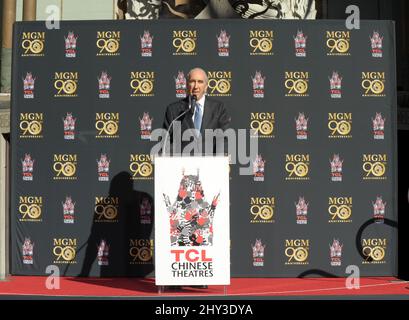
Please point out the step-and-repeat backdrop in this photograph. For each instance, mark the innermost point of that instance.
(86, 98)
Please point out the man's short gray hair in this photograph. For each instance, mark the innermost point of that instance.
(195, 69)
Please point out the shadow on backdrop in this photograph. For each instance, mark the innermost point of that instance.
(315, 273)
(359, 248)
(126, 235)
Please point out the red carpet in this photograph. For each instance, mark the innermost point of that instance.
(243, 287)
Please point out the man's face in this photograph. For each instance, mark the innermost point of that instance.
(197, 84)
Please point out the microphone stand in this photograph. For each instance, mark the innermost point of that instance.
(193, 100)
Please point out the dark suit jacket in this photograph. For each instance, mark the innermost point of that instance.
(215, 117)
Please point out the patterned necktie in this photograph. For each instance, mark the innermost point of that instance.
(198, 116)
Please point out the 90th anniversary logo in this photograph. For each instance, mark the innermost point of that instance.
(374, 166)
(33, 44)
(297, 251)
(65, 250)
(65, 166)
(263, 124)
(340, 209)
(31, 125)
(184, 41)
(66, 84)
(373, 84)
(141, 83)
(374, 251)
(141, 166)
(297, 166)
(141, 251)
(261, 42)
(107, 125)
(106, 209)
(30, 208)
(108, 43)
(338, 43)
(296, 83)
(262, 209)
(219, 83)
(340, 125)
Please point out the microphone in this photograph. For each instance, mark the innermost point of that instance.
(193, 100)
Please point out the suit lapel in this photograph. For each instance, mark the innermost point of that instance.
(206, 115)
(187, 119)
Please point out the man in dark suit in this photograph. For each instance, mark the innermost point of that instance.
(197, 111)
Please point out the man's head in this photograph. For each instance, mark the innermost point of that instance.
(197, 82)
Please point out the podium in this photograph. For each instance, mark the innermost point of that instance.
(192, 240)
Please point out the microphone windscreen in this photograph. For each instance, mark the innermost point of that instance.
(193, 101)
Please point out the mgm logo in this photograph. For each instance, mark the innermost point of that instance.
(261, 42)
(32, 44)
(296, 83)
(338, 43)
(141, 166)
(297, 166)
(106, 209)
(263, 124)
(141, 83)
(340, 125)
(65, 250)
(108, 43)
(262, 209)
(374, 166)
(219, 83)
(31, 125)
(141, 251)
(374, 251)
(65, 166)
(297, 251)
(184, 42)
(107, 125)
(65, 84)
(340, 209)
(373, 84)
(30, 208)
